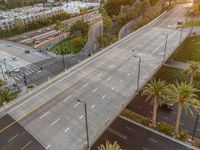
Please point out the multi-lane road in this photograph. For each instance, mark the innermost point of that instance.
(49, 31)
(106, 82)
(130, 136)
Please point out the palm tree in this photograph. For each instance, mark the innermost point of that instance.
(184, 95)
(192, 68)
(6, 94)
(109, 146)
(157, 92)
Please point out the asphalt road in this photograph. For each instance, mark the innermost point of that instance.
(94, 33)
(45, 32)
(106, 82)
(140, 106)
(132, 137)
(16, 137)
(54, 65)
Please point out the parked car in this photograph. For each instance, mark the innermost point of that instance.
(14, 58)
(26, 51)
(168, 107)
(179, 24)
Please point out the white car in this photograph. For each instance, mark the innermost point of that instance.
(16, 70)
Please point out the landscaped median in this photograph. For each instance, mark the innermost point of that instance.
(76, 40)
(163, 127)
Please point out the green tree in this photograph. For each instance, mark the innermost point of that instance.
(109, 146)
(6, 94)
(192, 69)
(183, 94)
(79, 27)
(156, 92)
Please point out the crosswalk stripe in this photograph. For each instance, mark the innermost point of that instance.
(16, 78)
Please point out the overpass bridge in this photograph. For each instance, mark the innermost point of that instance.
(107, 82)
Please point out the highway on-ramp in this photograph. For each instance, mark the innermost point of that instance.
(106, 82)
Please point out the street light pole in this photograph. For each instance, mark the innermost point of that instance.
(165, 49)
(195, 126)
(3, 74)
(4, 61)
(139, 66)
(86, 123)
(181, 34)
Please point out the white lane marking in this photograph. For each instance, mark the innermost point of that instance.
(81, 117)
(67, 130)
(67, 98)
(181, 123)
(120, 69)
(164, 42)
(153, 140)
(111, 66)
(113, 88)
(103, 96)
(109, 78)
(48, 146)
(29, 72)
(84, 85)
(12, 138)
(144, 148)
(39, 71)
(19, 76)
(165, 117)
(121, 81)
(44, 115)
(75, 105)
(16, 78)
(117, 133)
(26, 73)
(55, 122)
(26, 145)
(99, 75)
(94, 90)
(32, 71)
(92, 106)
(129, 128)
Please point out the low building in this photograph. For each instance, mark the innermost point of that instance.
(25, 15)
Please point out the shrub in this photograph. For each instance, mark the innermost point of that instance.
(138, 118)
(30, 86)
(165, 128)
(183, 135)
(196, 143)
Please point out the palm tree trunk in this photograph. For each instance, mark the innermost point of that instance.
(191, 79)
(155, 107)
(178, 119)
